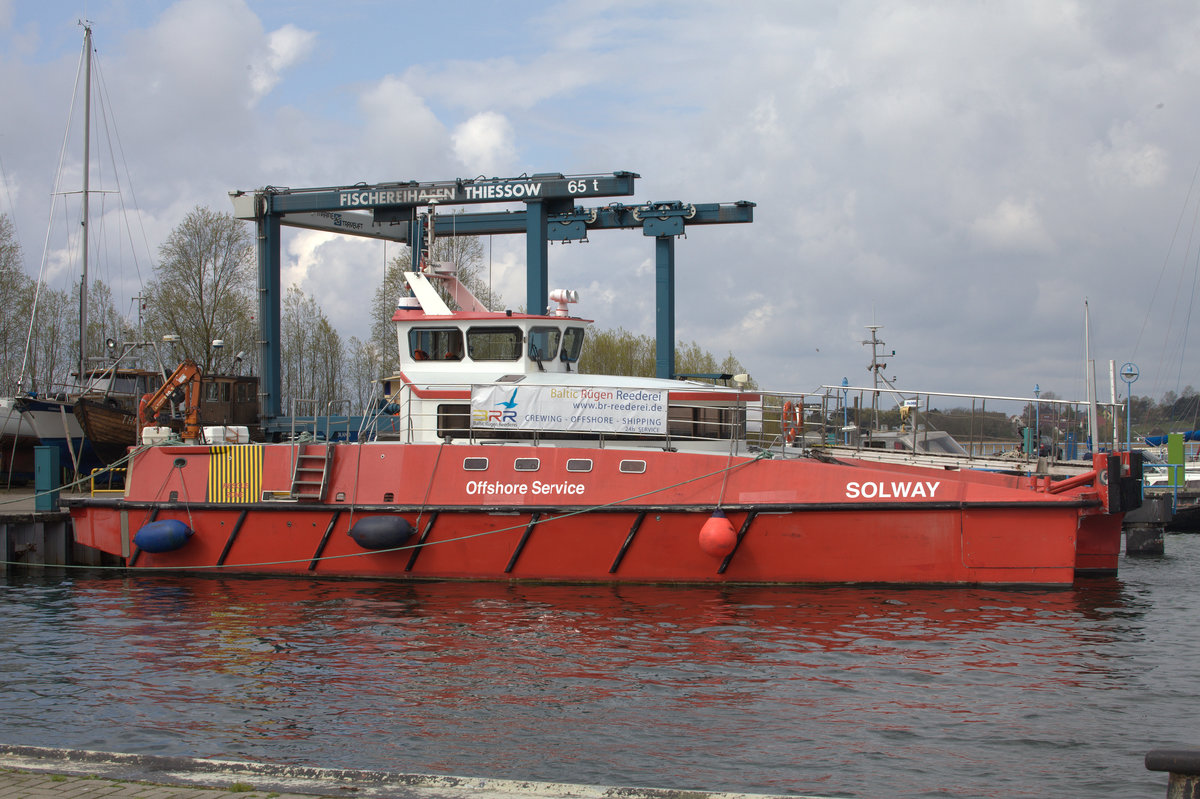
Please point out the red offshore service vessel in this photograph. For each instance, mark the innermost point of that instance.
(496, 459)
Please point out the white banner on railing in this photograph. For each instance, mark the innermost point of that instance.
(570, 408)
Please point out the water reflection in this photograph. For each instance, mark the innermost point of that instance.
(839, 690)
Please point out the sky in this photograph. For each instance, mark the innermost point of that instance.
(965, 175)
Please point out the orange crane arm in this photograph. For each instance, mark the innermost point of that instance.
(187, 376)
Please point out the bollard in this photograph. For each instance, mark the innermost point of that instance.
(45, 478)
(1184, 768)
(1144, 526)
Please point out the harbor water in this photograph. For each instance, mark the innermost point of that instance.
(835, 691)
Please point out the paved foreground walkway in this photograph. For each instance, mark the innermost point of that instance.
(29, 772)
(37, 785)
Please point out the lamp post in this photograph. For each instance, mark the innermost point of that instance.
(1037, 420)
(845, 411)
(1129, 373)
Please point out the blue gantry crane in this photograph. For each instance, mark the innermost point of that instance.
(391, 211)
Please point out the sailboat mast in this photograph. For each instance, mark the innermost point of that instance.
(87, 121)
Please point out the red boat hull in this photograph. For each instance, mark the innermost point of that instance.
(529, 513)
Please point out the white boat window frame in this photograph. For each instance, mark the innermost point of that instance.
(484, 340)
(440, 343)
(544, 341)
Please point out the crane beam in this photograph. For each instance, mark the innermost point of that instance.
(389, 211)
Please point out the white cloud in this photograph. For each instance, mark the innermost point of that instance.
(305, 251)
(340, 272)
(1013, 226)
(484, 144)
(400, 130)
(286, 47)
(1125, 158)
(902, 156)
(197, 58)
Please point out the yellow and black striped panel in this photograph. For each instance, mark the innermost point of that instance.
(235, 473)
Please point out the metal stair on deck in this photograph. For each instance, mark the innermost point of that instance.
(310, 477)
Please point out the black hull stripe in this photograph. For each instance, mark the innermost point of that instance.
(303, 509)
(316, 558)
(412, 559)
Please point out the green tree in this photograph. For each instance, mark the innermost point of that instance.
(53, 351)
(364, 366)
(203, 289)
(52, 354)
(617, 352)
(312, 354)
(104, 322)
(620, 352)
(16, 292)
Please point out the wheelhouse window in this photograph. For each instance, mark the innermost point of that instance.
(435, 344)
(572, 344)
(543, 343)
(494, 343)
(124, 385)
(215, 391)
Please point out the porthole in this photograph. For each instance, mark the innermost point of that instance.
(579, 465)
(633, 467)
(527, 464)
(475, 464)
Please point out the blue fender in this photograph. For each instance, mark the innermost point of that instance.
(166, 535)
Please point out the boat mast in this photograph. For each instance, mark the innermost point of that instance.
(1093, 412)
(87, 119)
(876, 368)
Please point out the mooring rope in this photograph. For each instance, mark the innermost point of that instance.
(84, 479)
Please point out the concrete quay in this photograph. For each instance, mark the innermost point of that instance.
(32, 537)
(30, 772)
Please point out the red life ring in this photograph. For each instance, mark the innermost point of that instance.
(789, 421)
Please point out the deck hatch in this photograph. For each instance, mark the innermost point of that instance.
(633, 467)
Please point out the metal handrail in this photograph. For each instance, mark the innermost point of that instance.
(751, 424)
(110, 471)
